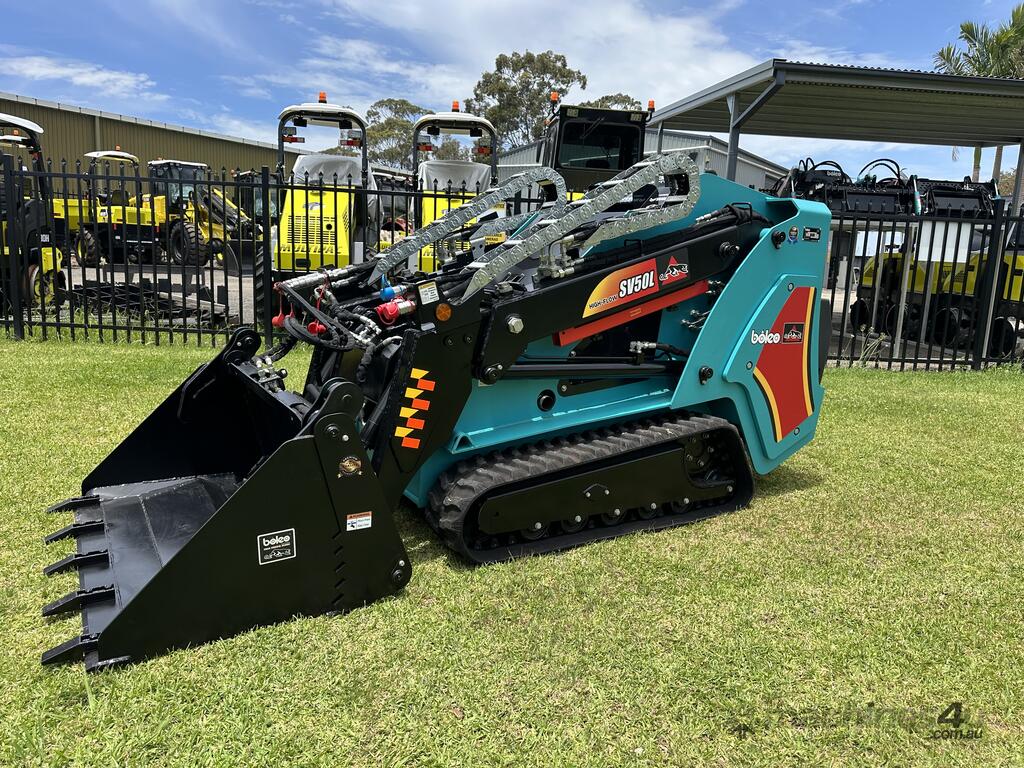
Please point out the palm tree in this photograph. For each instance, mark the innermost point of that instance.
(986, 52)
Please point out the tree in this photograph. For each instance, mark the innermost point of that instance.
(450, 149)
(1006, 180)
(986, 52)
(389, 131)
(614, 101)
(516, 95)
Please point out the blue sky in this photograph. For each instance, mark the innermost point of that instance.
(231, 66)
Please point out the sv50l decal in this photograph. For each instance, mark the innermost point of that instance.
(622, 285)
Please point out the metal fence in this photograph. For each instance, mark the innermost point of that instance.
(102, 252)
(934, 292)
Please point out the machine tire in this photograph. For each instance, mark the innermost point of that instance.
(188, 246)
(87, 249)
(44, 288)
(1002, 338)
(859, 315)
(951, 327)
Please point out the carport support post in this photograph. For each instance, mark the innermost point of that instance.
(985, 293)
(738, 118)
(1017, 180)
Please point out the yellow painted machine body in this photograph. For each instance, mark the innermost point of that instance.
(947, 278)
(962, 281)
(436, 205)
(43, 272)
(314, 228)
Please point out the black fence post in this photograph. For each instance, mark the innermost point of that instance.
(263, 268)
(14, 269)
(984, 294)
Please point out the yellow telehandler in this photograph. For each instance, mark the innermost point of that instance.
(30, 261)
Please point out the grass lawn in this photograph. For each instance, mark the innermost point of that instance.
(876, 578)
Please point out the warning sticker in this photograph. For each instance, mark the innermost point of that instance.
(276, 546)
(429, 293)
(358, 521)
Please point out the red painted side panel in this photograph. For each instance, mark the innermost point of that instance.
(782, 366)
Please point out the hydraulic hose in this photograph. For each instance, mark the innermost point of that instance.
(372, 351)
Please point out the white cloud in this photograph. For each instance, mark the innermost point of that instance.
(802, 50)
(82, 74)
(247, 86)
(621, 45)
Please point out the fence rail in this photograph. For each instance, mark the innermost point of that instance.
(103, 252)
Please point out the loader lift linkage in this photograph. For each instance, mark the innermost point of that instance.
(622, 362)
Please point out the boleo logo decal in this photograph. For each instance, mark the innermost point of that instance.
(793, 333)
(418, 398)
(674, 271)
(276, 546)
(623, 285)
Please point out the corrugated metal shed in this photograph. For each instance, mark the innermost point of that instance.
(71, 131)
(711, 154)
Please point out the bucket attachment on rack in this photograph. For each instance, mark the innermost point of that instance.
(235, 504)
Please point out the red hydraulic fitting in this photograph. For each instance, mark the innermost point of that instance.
(278, 321)
(390, 311)
(316, 327)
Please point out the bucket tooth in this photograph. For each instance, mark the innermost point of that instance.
(75, 529)
(75, 601)
(78, 560)
(71, 651)
(74, 503)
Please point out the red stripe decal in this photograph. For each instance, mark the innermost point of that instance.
(570, 335)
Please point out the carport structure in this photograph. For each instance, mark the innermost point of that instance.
(827, 101)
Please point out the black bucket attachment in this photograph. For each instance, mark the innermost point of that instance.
(234, 504)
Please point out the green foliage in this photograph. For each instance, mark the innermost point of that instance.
(515, 96)
(389, 131)
(986, 52)
(613, 101)
(451, 149)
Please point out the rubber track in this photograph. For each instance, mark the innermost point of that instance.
(458, 489)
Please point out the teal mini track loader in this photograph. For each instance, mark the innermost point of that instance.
(624, 362)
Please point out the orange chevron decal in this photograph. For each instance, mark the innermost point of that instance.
(417, 396)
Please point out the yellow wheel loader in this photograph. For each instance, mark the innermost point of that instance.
(200, 221)
(324, 221)
(444, 185)
(31, 264)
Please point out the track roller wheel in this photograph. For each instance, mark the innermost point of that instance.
(614, 517)
(538, 531)
(574, 524)
(649, 512)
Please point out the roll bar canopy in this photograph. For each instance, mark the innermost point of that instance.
(325, 115)
(178, 162)
(113, 154)
(455, 124)
(31, 130)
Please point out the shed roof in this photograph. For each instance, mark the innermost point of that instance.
(858, 103)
